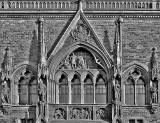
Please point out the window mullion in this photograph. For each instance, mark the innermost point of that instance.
(135, 90)
(82, 92)
(69, 93)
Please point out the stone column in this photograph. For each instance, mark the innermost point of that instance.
(69, 89)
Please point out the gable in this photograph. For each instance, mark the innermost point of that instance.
(78, 31)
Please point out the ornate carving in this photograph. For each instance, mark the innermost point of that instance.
(117, 87)
(42, 91)
(100, 113)
(153, 66)
(80, 113)
(153, 79)
(73, 62)
(5, 93)
(81, 32)
(135, 74)
(154, 108)
(59, 113)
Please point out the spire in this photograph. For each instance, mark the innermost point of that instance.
(42, 62)
(153, 65)
(117, 49)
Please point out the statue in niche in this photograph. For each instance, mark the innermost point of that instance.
(117, 87)
(59, 114)
(5, 92)
(154, 92)
(42, 90)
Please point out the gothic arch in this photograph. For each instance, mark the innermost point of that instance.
(139, 66)
(16, 76)
(135, 73)
(54, 61)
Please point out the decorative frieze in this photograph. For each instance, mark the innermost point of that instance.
(79, 112)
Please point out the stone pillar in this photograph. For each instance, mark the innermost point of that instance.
(69, 89)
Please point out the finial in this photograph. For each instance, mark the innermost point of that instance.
(81, 5)
(119, 20)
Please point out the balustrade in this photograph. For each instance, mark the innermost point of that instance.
(88, 5)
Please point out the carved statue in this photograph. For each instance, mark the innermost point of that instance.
(154, 92)
(73, 61)
(81, 62)
(42, 90)
(59, 114)
(5, 93)
(117, 88)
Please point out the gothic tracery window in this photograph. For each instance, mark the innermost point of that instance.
(135, 88)
(28, 89)
(81, 84)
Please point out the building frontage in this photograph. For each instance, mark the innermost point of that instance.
(85, 61)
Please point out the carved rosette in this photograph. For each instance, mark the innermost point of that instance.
(81, 113)
(59, 113)
(81, 32)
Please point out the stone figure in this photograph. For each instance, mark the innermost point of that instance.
(67, 64)
(5, 93)
(73, 61)
(117, 88)
(81, 62)
(154, 92)
(42, 91)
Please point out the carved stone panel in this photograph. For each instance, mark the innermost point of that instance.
(81, 113)
(59, 113)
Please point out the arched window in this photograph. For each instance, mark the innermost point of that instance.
(88, 90)
(28, 90)
(140, 92)
(135, 88)
(80, 84)
(76, 89)
(63, 89)
(100, 90)
(129, 92)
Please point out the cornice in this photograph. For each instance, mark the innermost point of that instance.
(90, 15)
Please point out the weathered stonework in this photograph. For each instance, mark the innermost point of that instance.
(81, 43)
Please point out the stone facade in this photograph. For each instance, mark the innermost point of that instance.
(79, 61)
